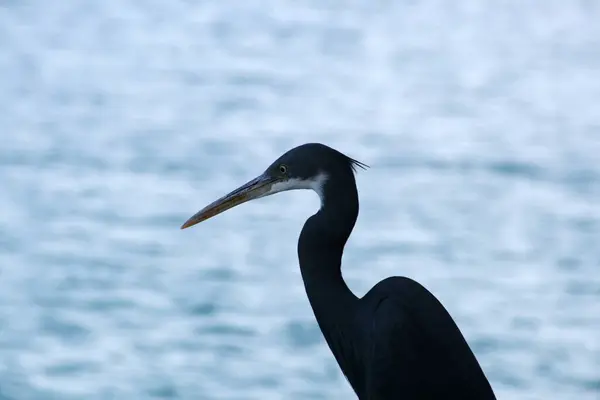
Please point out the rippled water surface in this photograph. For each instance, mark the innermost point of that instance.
(119, 119)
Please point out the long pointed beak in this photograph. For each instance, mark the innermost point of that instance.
(257, 187)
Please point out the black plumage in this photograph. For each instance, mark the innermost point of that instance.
(397, 341)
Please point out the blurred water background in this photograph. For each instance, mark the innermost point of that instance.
(119, 119)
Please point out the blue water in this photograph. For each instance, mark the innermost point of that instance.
(119, 119)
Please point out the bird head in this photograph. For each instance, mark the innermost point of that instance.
(308, 166)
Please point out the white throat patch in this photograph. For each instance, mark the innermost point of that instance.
(317, 183)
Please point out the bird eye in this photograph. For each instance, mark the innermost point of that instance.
(283, 169)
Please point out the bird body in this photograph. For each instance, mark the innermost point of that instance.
(397, 341)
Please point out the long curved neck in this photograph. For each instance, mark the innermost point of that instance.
(321, 246)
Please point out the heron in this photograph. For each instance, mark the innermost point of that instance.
(397, 341)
